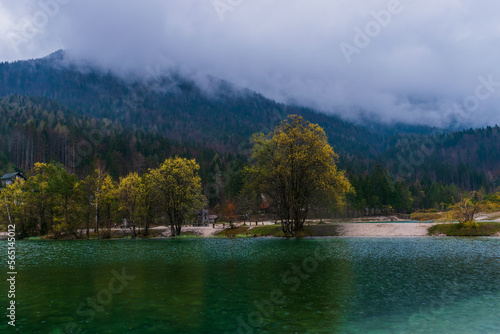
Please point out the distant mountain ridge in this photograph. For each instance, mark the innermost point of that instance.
(221, 121)
(172, 106)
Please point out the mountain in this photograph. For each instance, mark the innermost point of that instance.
(172, 106)
(51, 105)
(470, 159)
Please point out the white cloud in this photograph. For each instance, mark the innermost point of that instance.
(417, 65)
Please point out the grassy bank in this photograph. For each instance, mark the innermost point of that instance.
(458, 230)
(246, 232)
(276, 231)
(113, 234)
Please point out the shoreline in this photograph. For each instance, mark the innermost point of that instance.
(390, 229)
(385, 229)
(344, 229)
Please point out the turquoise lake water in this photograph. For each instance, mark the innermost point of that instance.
(326, 285)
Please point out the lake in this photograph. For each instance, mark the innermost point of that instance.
(325, 285)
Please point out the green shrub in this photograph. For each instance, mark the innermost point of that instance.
(462, 230)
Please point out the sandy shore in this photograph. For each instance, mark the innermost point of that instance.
(332, 228)
(384, 229)
(202, 231)
(380, 226)
(489, 217)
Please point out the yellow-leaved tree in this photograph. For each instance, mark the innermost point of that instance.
(102, 196)
(296, 168)
(466, 210)
(48, 202)
(179, 191)
(13, 210)
(148, 203)
(129, 198)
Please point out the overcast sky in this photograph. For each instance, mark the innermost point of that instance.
(423, 61)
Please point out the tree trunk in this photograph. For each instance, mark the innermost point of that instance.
(96, 227)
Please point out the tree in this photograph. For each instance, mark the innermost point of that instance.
(48, 202)
(296, 168)
(102, 195)
(245, 204)
(179, 190)
(229, 213)
(402, 197)
(13, 210)
(67, 191)
(492, 202)
(40, 197)
(465, 210)
(87, 202)
(128, 197)
(147, 202)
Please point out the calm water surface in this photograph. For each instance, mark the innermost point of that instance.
(331, 285)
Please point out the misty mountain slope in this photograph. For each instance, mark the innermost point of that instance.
(37, 129)
(41, 130)
(468, 159)
(197, 122)
(172, 106)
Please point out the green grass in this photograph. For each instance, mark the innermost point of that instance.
(266, 231)
(104, 234)
(233, 232)
(189, 235)
(246, 232)
(458, 230)
(151, 233)
(243, 236)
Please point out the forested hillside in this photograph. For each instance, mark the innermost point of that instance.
(469, 159)
(171, 106)
(34, 129)
(37, 129)
(52, 111)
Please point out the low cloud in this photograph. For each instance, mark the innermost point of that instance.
(421, 62)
